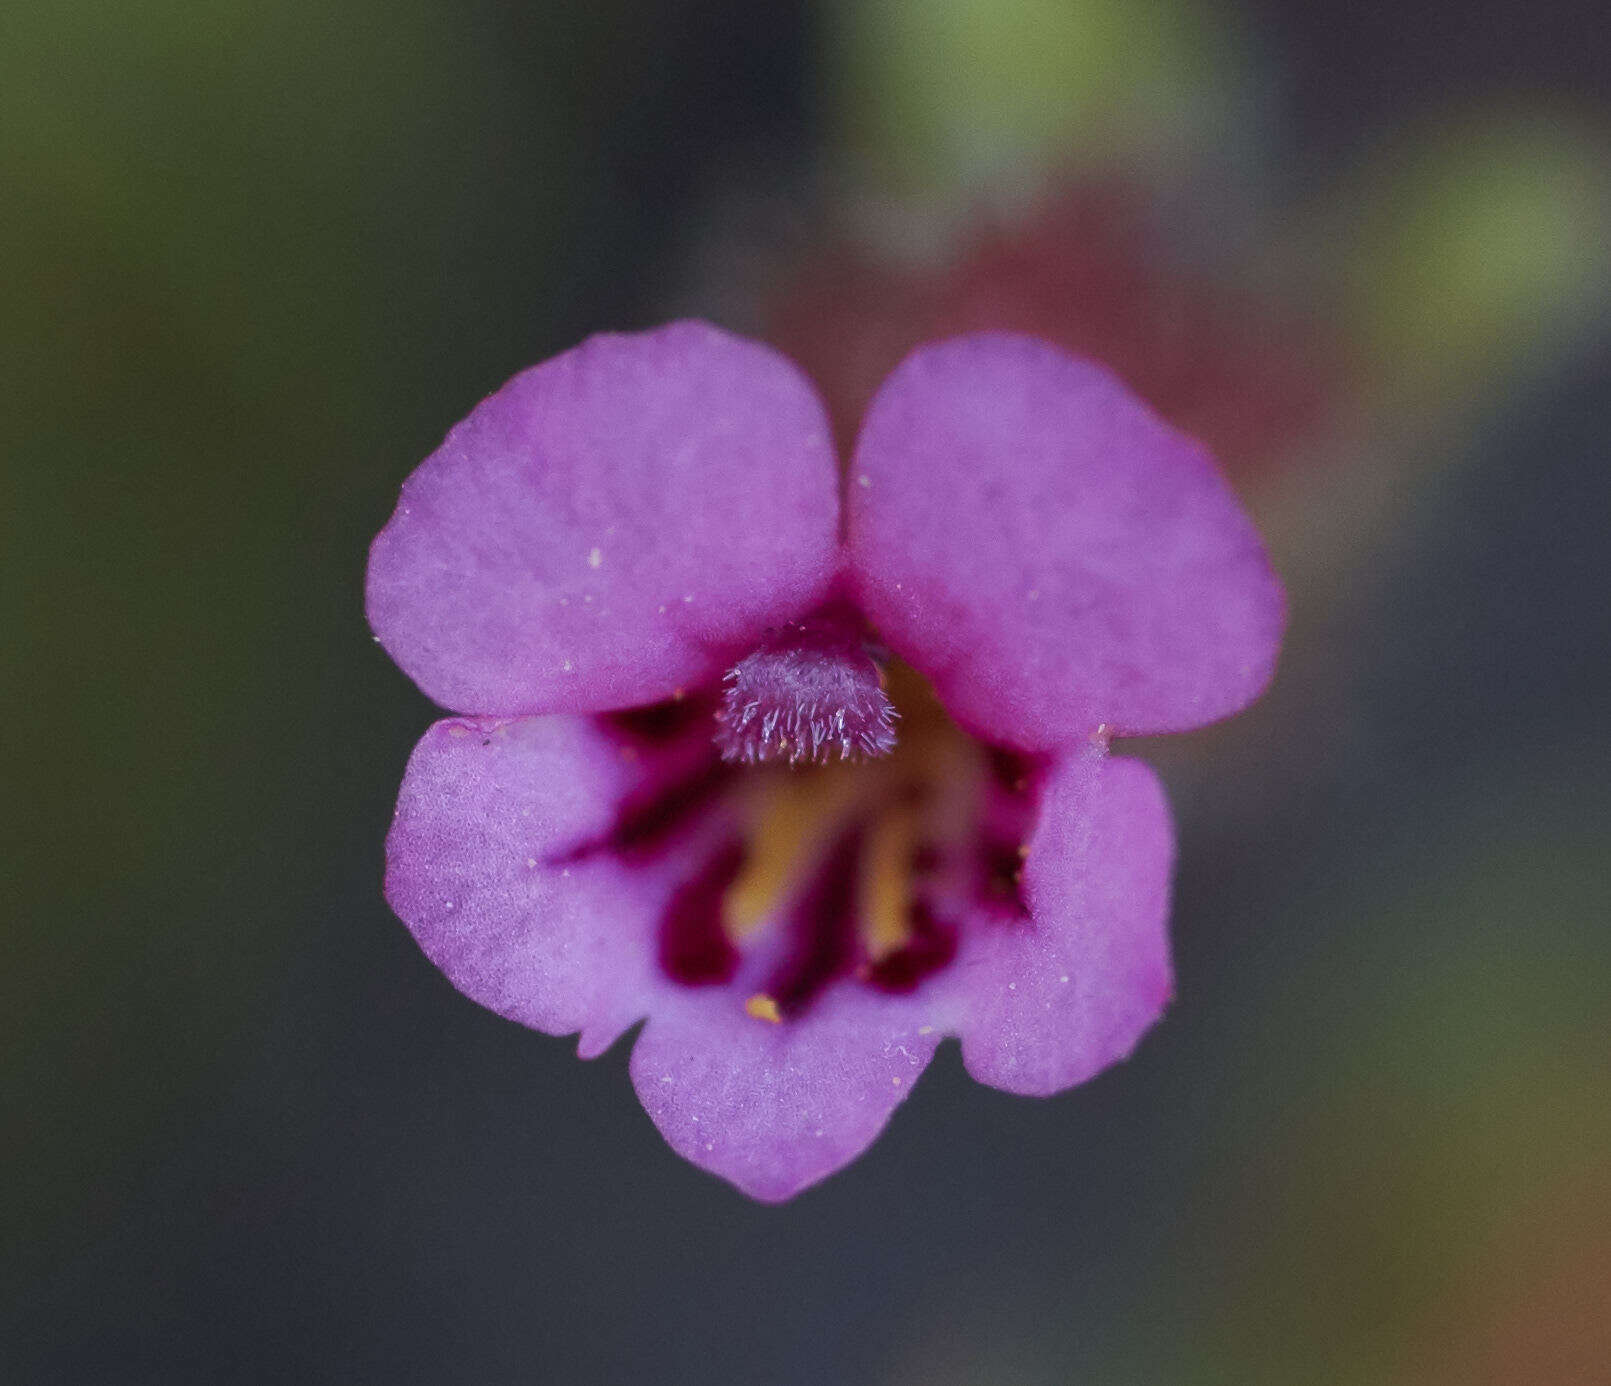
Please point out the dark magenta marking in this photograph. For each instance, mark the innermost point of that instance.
(822, 927)
(1012, 771)
(1002, 869)
(930, 946)
(661, 723)
(647, 820)
(694, 947)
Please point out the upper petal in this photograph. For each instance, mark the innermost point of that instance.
(609, 526)
(1047, 1002)
(775, 1108)
(1050, 553)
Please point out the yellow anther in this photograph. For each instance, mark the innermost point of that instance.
(763, 1007)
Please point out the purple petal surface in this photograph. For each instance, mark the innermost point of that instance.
(610, 526)
(1046, 1002)
(1050, 553)
(775, 1108)
(482, 865)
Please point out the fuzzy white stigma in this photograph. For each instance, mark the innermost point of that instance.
(811, 694)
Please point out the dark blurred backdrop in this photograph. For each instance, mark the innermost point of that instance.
(258, 256)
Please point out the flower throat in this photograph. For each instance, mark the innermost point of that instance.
(848, 839)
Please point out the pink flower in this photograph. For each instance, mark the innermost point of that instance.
(804, 770)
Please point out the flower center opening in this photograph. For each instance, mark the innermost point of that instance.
(833, 850)
(859, 847)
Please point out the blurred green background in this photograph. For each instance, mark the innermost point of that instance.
(257, 257)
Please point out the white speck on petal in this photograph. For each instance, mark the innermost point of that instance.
(925, 1029)
(595, 557)
(896, 1079)
(567, 666)
(864, 480)
(1063, 978)
(531, 861)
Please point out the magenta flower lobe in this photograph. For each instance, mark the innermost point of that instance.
(805, 805)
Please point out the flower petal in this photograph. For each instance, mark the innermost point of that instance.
(482, 864)
(609, 526)
(1049, 1001)
(773, 1108)
(1050, 553)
